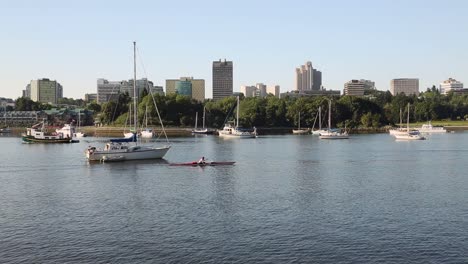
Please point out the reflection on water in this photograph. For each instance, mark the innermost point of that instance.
(287, 199)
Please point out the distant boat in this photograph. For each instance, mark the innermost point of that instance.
(147, 132)
(409, 135)
(299, 130)
(401, 130)
(330, 134)
(232, 130)
(429, 129)
(121, 149)
(78, 133)
(203, 130)
(38, 134)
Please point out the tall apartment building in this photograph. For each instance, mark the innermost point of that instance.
(222, 79)
(450, 85)
(308, 78)
(408, 86)
(195, 88)
(354, 88)
(44, 91)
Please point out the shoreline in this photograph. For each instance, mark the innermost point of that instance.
(111, 131)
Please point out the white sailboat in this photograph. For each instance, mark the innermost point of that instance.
(78, 133)
(400, 130)
(130, 133)
(299, 130)
(147, 132)
(120, 149)
(231, 130)
(409, 135)
(330, 134)
(202, 130)
(320, 130)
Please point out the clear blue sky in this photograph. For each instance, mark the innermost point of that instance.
(77, 42)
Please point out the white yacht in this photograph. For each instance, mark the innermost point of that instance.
(429, 128)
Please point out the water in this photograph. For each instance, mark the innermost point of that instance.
(288, 199)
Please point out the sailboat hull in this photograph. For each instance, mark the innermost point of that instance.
(202, 131)
(300, 131)
(136, 153)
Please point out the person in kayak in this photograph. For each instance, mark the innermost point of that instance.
(201, 161)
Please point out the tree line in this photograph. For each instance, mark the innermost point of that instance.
(375, 109)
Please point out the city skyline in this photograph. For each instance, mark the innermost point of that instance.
(78, 43)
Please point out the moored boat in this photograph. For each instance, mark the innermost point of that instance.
(429, 128)
(39, 134)
(234, 131)
(121, 149)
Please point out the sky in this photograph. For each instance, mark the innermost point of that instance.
(77, 42)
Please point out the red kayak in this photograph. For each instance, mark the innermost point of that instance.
(207, 163)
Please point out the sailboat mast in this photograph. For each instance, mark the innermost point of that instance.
(407, 121)
(196, 120)
(320, 118)
(329, 115)
(203, 117)
(401, 119)
(237, 122)
(134, 88)
(299, 125)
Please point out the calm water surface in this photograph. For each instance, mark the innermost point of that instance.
(288, 199)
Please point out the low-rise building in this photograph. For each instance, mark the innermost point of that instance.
(184, 84)
(451, 85)
(354, 88)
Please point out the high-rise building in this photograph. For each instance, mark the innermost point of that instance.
(109, 90)
(27, 91)
(408, 86)
(45, 91)
(450, 85)
(354, 88)
(261, 90)
(197, 87)
(308, 78)
(274, 90)
(222, 79)
(248, 91)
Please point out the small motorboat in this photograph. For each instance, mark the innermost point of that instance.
(202, 164)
